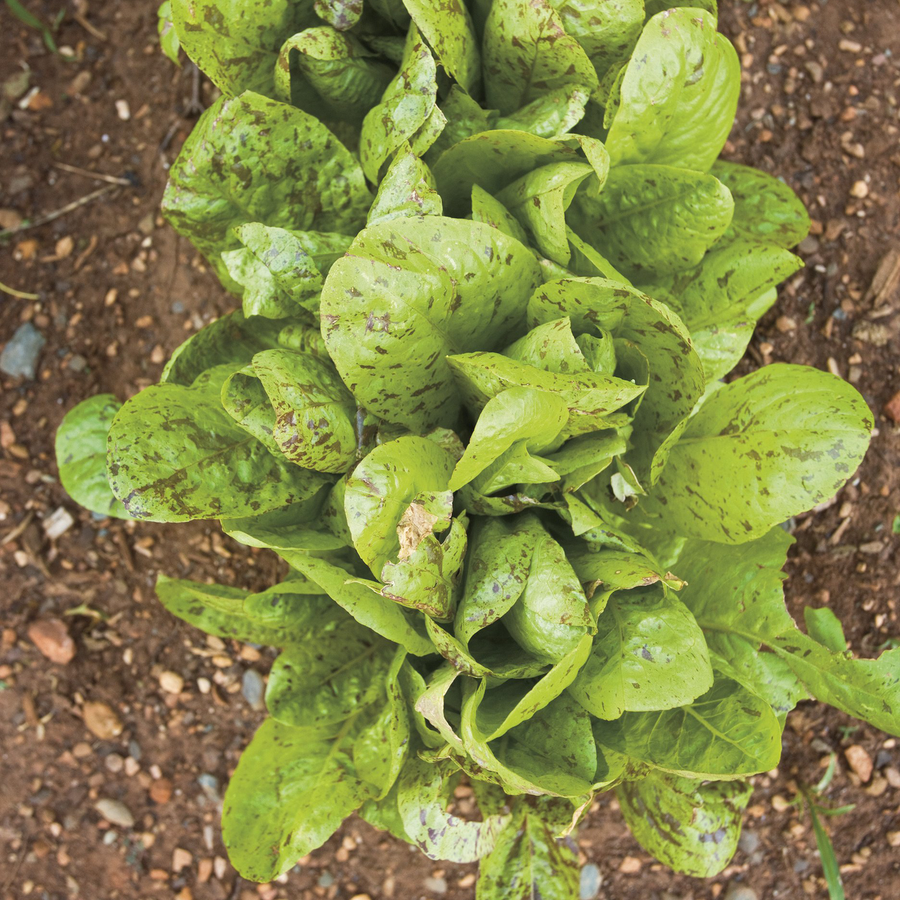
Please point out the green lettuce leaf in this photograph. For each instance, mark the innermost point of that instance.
(653, 220)
(252, 159)
(450, 33)
(235, 42)
(760, 450)
(454, 285)
(407, 190)
(692, 827)
(527, 54)
(81, 455)
(678, 95)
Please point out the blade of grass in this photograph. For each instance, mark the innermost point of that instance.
(830, 866)
(32, 21)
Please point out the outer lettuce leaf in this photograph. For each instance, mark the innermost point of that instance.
(251, 159)
(453, 285)
(726, 734)
(174, 455)
(280, 616)
(722, 299)
(81, 455)
(552, 115)
(760, 450)
(692, 827)
(407, 191)
(750, 576)
(678, 95)
(528, 862)
(765, 208)
(235, 42)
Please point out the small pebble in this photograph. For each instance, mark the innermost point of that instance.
(181, 859)
(438, 885)
(210, 785)
(253, 688)
(161, 791)
(20, 355)
(101, 721)
(326, 879)
(740, 892)
(58, 523)
(860, 190)
(589, 882)
(52, 638)
(115, 812)
(171, 682)
(114, 763)
(860, 762)
(749, 841)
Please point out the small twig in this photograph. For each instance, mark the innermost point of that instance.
(97, 176)
(20, 294)
(43, 220)
(19, 529)
(91, 247)
(15, 872)
(236, 889)
(91, 29)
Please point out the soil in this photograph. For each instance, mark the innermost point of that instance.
(117, 292)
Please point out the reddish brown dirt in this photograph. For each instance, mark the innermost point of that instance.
(819, 108)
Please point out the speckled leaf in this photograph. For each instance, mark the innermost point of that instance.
(657, 6)
(330, 74)
(527, 53)
(340, 14)
(596, 306)
(653, 220)
(453, 285)
(591, 399)
(251, 159)
(517, 700)
(612, 569)
(447, 26)
(282, 272)
(721, 300)
(528, 863)
(406, 191)
(539, 200)
(689, 826)
(551, 347)
(235, 42)
(649, 654)
(174, 455)
(231, 339)
(382, 487)
(431, 702)
(289, 795)
(726, 734)
(168, 36)
(319, 684)
(587, 261)
(606, 29)
(553, 114)
(383, 616)
(315, 415)
(495, 159)
(422, 796)
(552, 753)
(491, 211)
(405, 107)
(530, 419)
(428, 577)
(678, 95)
(551, 615)
(583, 458)
(280, 616)
(760, 450)
(825, 628)
(765, 208)
(81, 455)
(750, 576)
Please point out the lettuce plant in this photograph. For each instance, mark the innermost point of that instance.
(492, 280)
